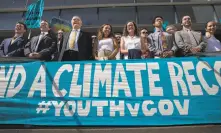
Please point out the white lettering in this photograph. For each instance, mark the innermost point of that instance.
(84, 111)
(133, 110)
(4, 79)
(87, 80)
(55, 86)
(75, 90)
(154, 91)
(210, 90)
(12, 89)
(116, 108)
(39, 85)
(182, 110)
(120, 85)
(145, 109)
(100, 105)
(137, 73)
(103, 77)
(163, 110)
(70, 108)
(57, 107)
(194, 89)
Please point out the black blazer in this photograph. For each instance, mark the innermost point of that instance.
(16, 49)
(46, 47)
(84, 46)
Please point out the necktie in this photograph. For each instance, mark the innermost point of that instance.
(40, 37)
(72, 39)
(164, 41)
(13, 40)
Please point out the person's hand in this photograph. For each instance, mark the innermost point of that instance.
(167, 54)
(195, 49)
(37, 55)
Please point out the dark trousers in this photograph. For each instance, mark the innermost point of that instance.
(70, 55)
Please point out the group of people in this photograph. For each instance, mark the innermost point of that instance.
(78, 45)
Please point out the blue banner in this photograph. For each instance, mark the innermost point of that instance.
(152, 92)
(34, 14)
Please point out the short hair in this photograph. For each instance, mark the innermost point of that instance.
(154, 19)
(49, 24)
(183, 17)
(22, 23)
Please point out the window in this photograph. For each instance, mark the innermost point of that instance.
(118, 15)
(198, 14)
(9, 23)
(89, 16)
(12, 3)
(146, 14)
(48, 15)
(218, 11)
(146, 1)
(114, 1)
(79, 2)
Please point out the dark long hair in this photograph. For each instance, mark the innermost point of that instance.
(125, 32)
(100, 34)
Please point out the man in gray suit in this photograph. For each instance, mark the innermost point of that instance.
(162, 44)
(188, 40)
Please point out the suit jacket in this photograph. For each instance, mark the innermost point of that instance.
(46, 47)
(55, 56)
(84, 46)
(184, 44)
(16, 49)
(155, 45)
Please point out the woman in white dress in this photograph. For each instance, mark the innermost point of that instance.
(130, 45)
(105, 47)
(214, 44)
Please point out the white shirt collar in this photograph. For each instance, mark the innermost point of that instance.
(184, 28)
(78, 30)
(45, 33)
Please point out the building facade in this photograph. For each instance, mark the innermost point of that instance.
(116, 12)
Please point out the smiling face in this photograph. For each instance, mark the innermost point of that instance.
(186, 21)
(211, 27)
(20, 28)
(44, 26)
(106, 30)
(130, 27)
(76, 22)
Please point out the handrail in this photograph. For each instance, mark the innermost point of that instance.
(115, 5)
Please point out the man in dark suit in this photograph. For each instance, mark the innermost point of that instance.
(43, 46)
(14, 47)
(77, 44)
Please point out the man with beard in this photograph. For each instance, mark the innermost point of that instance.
(14, 47)
(161, 43)
(43, 46)
(188, 40)
(77, 44)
